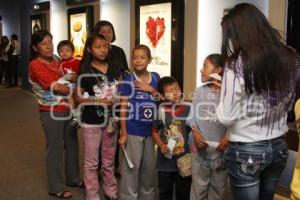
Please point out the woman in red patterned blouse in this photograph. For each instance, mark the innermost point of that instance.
(55, 116)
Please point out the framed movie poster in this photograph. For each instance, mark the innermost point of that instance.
(37, 22)
(160, 26)
(80, 24)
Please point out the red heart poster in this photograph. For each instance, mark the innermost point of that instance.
(155, 32)
(155, 29)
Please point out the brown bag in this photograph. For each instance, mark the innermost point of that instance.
(184, 165)
(112, 125)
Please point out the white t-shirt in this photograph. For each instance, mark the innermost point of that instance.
(17, 50)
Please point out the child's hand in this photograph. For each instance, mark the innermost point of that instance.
(105, 101)
(223, 144)
(73, 78)
(143, 86)
(199, 139)
(123, 139)
(164, 148)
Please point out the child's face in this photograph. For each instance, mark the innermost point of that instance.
(65, 52)
(44, 48)
(140, 60)
(107, 32)
(99, 49)
(172, 92)
(208, 68)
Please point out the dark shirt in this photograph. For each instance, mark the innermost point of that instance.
(118, 58)
(100, 85)
(172, 126)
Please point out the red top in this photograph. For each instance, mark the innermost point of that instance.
(68, 64)
(42, 75)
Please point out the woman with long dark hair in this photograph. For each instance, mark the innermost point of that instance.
(258, 90)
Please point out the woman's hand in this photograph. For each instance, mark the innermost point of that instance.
(164, 148)
(143, 86)
(216, 85)
(199, 139)
(223, 144)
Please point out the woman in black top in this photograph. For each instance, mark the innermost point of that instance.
(116, 54)
(116, 57)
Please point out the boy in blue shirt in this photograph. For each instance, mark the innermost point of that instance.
(138, 181)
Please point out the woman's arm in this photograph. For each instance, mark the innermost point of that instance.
(60, 89)
(230, 106)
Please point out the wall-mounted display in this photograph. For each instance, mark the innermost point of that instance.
(155, 32)
(37, 22)
(80, 23)
(160, 26)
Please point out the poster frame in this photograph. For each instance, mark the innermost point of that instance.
(88, 10)
(177, 33)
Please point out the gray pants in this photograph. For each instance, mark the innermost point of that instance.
(60, 135)
(138, 183)
(207, 183)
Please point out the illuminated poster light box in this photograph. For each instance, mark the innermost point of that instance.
(160, 26)
(80, 22)
(155, 32)
(37, 22)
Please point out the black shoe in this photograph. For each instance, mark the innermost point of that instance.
(79, 185)
(111, 198)
(62, 195)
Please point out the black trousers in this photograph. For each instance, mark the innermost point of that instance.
(166, 182)
(1, 71)
(14, 70)
(7, 72)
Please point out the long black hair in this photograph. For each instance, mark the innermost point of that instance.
(268, 65)
(87, 57)
(37, 37)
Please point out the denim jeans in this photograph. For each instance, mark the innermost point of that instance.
(255, 168)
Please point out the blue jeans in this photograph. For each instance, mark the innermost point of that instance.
(255, 168)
